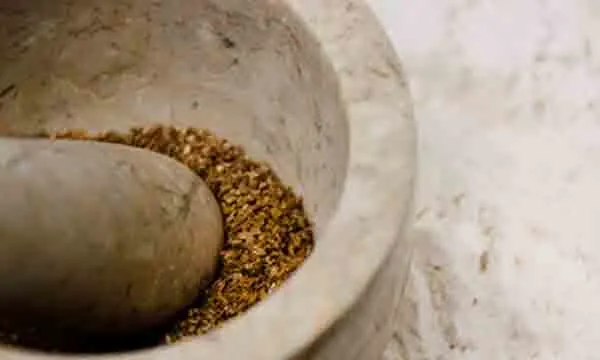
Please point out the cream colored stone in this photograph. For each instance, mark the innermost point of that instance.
(506, 98)
(100, 239)
(311, 86)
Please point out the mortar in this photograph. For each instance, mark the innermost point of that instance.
(312, 87)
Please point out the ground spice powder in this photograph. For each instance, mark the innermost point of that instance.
(267, 233)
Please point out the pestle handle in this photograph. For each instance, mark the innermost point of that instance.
(101, 238)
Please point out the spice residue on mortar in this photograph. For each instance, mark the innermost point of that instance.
(267, 233)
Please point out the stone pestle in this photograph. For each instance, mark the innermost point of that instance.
(101, 239)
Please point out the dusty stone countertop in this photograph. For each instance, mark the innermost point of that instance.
(507, 222)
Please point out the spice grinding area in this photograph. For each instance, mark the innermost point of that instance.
(311, 88)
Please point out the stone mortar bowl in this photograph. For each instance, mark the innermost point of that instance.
(311, 86)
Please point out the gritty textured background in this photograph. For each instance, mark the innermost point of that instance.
(506, 224)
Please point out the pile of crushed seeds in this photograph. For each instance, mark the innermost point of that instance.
(267, 233)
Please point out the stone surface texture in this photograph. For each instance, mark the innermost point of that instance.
(506, 96)
(100, 239)
(312, 86)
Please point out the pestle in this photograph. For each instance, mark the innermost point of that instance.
(100, 239)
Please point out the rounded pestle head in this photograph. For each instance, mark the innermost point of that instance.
(101, 239)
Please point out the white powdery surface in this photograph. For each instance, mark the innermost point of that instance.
(507, 217)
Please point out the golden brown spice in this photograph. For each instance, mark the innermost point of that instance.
(267, 233)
